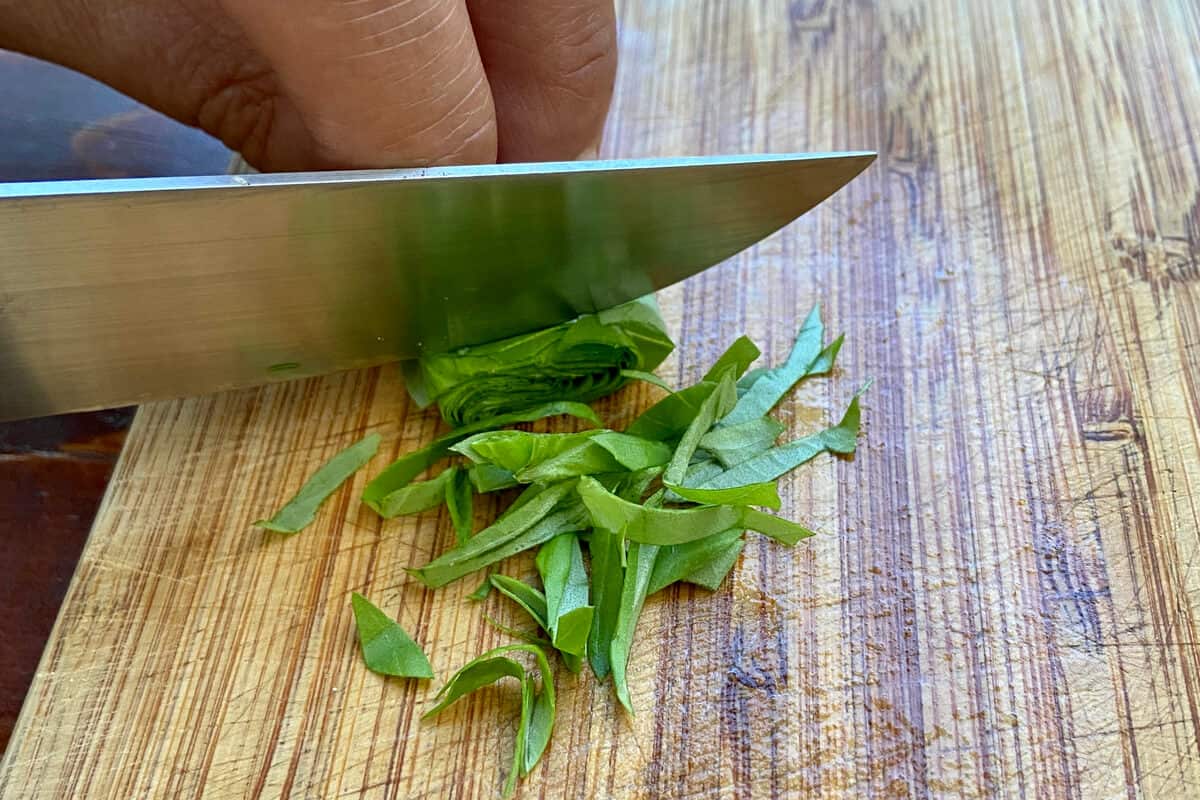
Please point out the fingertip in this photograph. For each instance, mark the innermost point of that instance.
(551, 65)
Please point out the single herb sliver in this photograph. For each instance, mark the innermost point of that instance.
(537, 704)
(568, 613)
(806, 358)
(752, 494)
(524, 595)
(419, 496)
(667, 526)
(399, 474)
(545, 513)
(679, 562)
(606, 549)
(386, 648)
(778, 461)
(715, 406)
(461, 506)
(302, 509)
(733, 444)
(639, 568)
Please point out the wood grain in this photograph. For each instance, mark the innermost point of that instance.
(1004, 600)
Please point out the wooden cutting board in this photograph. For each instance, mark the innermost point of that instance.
(1004, 598)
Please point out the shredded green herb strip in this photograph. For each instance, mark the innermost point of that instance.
(638, 570)
(778, 461)
(537, 704)
(697, 562)
(613, 516)
(583, 360)
(386, 648)
(302, 509)
(769, 388)
(400, 473)
(733, 444)
(568, 613)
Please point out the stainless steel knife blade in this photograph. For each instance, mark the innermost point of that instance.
(120, 291)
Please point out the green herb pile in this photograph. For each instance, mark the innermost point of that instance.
(613, 517)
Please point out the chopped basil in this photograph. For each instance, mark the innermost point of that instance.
(386, 648)
(401, 472)
(302, 509)
(537, 704)
(580, 360)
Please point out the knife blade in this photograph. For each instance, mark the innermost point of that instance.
(120, 291)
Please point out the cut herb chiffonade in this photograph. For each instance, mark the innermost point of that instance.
(612, 516)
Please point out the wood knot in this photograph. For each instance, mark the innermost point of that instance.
(1109, 431)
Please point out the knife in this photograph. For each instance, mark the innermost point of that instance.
(120, 291)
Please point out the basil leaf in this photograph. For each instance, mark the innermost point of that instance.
(677, 562)
(516, 450)
(537, 705)
(666, 526)
(475, 675)
(661, 526)
(517, 633)
(631, 452)
(647, 377)
(490, 478)
(302, 509)
(461, 505)
(560, 563)
(534, 522)
(417, 497)
(640, 566)
(750, 378)
(401, 472)
(751, 494)
(737, 357)
(777, 528)
(733, 444)
(777, 461)
(710, 574)
(715, 406)
(482, 590)
(550, 457)
(806, 358)
(607, 550)
(580, 360)
(524, 595)
(386, 648)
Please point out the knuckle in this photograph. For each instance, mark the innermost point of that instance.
(240, 111)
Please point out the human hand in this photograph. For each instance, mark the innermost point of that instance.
(311, 84)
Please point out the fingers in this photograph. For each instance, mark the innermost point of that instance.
(303, 84)
(551, 65)
(347, 83)
(373, 83)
